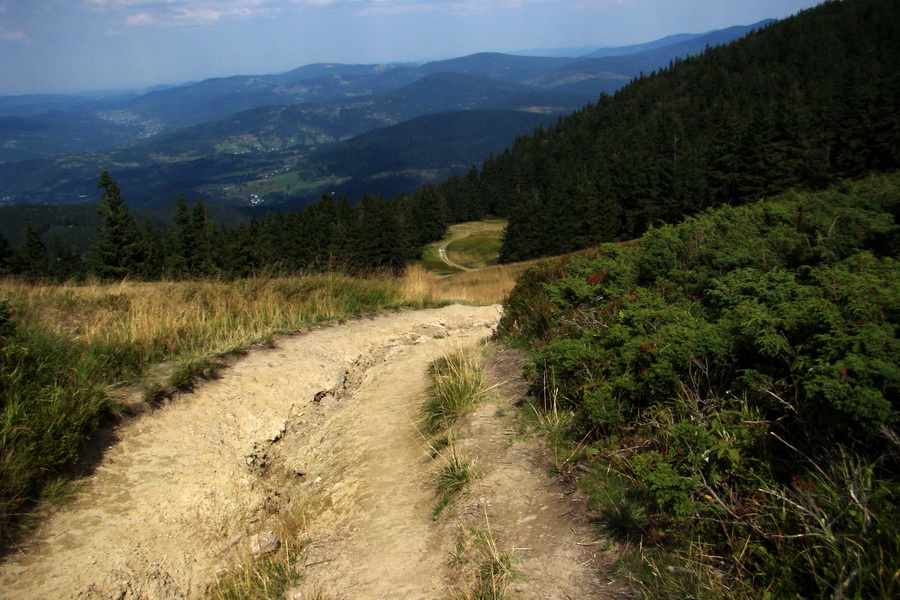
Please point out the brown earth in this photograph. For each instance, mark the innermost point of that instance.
(320, 429)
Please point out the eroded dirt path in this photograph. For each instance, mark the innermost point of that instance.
(321, 426)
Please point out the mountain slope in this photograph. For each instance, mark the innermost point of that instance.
(802, 102)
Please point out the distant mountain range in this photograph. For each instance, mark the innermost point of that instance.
(290, 136)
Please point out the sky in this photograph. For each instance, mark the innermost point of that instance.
(66, 46)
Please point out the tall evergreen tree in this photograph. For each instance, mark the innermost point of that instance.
(31, 258)
(118, 250)
(204, 261)
(66, 261)
(185, 255)
(6, 254)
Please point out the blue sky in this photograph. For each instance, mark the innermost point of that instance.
(82, 45)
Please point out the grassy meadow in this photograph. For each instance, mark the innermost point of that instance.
(474, 245)
(74, 356)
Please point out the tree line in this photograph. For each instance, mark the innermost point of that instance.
(376, 233)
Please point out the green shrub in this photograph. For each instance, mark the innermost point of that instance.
(728, 368)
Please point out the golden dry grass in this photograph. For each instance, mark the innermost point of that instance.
(173, 318)
(485, 286)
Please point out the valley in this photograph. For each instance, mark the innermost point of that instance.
(214, 139)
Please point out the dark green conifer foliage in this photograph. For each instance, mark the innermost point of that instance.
(155, 252)
(66, 261)
(185, 256)
(31, 258)
(202, 229)
(806, 101)
(6, 254)
(118, 250)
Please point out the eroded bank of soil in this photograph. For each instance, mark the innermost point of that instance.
(325, 421)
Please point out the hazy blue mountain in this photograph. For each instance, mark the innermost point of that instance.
(608, 69)
(238, 131)
(570, 52)
(505, 67)
(454, 139)
(34, 104)
(713, 38)
(635, 48)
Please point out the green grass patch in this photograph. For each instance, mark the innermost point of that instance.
(453, 476)
(458, 385)
(474, 244)
(476, 251)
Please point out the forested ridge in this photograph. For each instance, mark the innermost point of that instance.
(803, 102)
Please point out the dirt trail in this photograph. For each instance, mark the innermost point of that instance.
(323, 421)
(442, 254)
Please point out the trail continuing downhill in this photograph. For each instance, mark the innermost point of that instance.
(442, 253)
(325, 420)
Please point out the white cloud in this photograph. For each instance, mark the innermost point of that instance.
(12, 36)
(140, 19)
(194, 12)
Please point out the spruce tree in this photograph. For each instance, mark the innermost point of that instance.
(31, 259)
(185, 240)
(5, 255)
(118, 250)
(205, 263)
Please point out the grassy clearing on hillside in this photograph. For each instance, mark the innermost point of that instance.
(475, 244)
(63, 350)
(476, 251)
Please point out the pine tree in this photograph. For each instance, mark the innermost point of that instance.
(5, 255)
(185, 240)
(201, 225)
(31, 259)
(118, 250)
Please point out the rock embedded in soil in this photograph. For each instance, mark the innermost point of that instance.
(264, 543)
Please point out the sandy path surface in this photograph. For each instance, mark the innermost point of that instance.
(319, 430)
(193, 479)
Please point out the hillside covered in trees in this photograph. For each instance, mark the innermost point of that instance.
(805, 101)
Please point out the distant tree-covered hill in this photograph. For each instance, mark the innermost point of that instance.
(328, 103)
